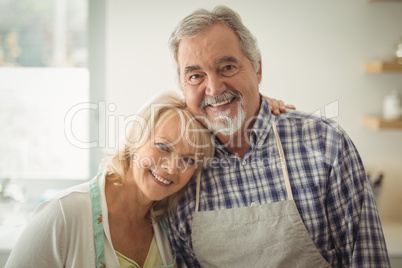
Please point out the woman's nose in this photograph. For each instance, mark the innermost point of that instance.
(171, 165)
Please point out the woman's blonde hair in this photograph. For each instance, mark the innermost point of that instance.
(150, 118)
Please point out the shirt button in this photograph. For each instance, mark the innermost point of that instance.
(253, 204)
(244, 163)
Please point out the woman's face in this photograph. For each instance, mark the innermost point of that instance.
(165, 163)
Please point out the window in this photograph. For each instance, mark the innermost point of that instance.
(43, 75)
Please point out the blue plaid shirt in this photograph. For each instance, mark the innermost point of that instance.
(328, 181)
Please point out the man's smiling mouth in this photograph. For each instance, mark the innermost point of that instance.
(226, 98)
(221, 102)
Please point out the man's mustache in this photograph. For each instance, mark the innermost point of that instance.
(226, 95)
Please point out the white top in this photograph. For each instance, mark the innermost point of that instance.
(60, 233)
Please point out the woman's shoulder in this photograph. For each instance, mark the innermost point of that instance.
(59, 226)
(68, 204)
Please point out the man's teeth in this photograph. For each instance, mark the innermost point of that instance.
(220, 103)
(162, 180)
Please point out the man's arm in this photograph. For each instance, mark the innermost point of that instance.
(352, 213)
(181, 244)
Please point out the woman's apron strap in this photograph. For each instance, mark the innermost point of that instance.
(97, 223)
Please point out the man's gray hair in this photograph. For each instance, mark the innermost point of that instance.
(202, 19)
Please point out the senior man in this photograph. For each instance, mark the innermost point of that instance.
(281, 191)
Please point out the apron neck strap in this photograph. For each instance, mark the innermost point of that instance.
(283, 166)
(283, 163)
(197, 192)
(97, 222)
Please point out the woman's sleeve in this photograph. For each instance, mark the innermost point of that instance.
(41, 243)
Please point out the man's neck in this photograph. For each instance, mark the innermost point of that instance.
(237, 143)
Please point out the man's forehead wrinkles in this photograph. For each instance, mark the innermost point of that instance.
(223, 59)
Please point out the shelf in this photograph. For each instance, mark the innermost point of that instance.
(382, 66)
(376, 122)
(384, 0)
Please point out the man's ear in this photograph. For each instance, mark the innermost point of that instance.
(259, 72)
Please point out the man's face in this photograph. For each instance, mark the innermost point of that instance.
(219, 82)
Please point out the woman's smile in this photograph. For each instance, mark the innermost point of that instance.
(161, 180)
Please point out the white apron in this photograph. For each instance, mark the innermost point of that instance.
(269, 235)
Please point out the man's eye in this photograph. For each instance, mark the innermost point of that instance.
(188, 160)
(228, 67)
(195, 79)
(229, 70)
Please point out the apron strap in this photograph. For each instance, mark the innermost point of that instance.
(283, 163)
(283, 166)
(164, 243)
(197, 192)
(97, 222)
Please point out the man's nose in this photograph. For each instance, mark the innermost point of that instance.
(214, 85)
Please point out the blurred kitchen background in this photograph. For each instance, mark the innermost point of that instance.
(72, 72)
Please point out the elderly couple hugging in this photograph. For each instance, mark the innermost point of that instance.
(162, 200)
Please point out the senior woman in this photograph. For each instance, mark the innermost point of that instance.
(115, 220)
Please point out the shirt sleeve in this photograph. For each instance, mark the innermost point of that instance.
(180, 237)
(352, 212)
(40, 244)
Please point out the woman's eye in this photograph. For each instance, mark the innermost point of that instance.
(162, 146)
(188, 160)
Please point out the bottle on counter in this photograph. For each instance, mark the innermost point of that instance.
(398, 52)
(392, 109)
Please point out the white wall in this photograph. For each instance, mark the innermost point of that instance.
(313, 54)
